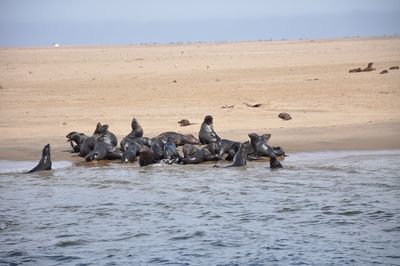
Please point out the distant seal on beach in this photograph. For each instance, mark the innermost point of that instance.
(285, 116)
(384, 72)
(369, 67)
(45, 161)
(393, 68)
(185, 122)
(207, 134)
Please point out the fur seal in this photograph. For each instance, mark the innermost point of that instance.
(192, 155)
(285, 116)
(180, 139)
(355, 70)
(211, 152)
(87, 146)
(228, 147)
(393, 68)
(240, 158)
(262, 149)
(129, 155)
(45, 161)
(369, 67)
(102, 134)
(137, 132)
(384, 72)
(207, 134)
(75, 139)
(169, 152)
(146, 157)
(185, 122)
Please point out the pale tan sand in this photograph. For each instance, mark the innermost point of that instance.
(47, 92)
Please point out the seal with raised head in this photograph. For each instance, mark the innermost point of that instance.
(263, 149)
(76, 139)
(45, 161)
(102, 134)
(207, 133)
(137, 132)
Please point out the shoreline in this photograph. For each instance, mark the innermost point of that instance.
(369, 137)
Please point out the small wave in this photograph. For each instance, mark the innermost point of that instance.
(394, 229)
(68, 243)
(187, 236)
(349, 213)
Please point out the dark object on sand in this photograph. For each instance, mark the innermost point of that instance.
(285, 116)
(227, 106)
(384, 72)
(253, 105)
(367, 69)
(185, 122)
(393, 68)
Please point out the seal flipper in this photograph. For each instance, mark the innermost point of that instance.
(45, 161)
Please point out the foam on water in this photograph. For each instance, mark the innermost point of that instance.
(334, 208)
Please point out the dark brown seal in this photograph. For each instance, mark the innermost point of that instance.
(285, 116)
(185, 122)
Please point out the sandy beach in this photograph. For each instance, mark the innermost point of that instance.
(46, 93)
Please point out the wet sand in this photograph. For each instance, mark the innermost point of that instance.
(46, 93)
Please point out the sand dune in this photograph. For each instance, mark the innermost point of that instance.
(47, 92)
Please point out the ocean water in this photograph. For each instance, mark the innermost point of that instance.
(325, 208)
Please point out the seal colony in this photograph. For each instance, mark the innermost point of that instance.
(103, 145)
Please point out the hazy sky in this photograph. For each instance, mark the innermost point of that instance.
(77, 22)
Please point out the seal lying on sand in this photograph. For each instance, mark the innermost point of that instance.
(179, 139)
(207, 133)
(185, 122)
(45, 161)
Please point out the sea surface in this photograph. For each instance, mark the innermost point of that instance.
(323, 208)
